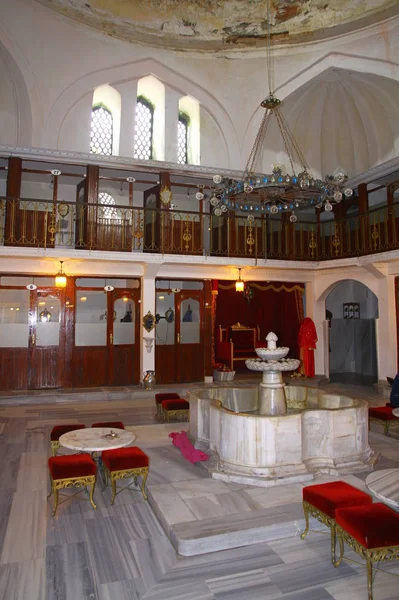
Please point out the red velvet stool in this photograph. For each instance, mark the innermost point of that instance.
(123, 463)
(175, 408)
(57, 432)
(74, 470)
(110, 424)
(322, 500)
(371, 530)
(164, 396)
(383, 415)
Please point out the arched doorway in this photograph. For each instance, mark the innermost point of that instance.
(352, 309)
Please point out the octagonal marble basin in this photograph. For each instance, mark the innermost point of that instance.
(320, 434)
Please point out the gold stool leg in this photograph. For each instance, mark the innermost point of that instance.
(333, 542)
(341, 551)
(306, 530)
(143, 482)
(55, 490)
(369, 566)
(51, 486)
(113, 485)
(92, 486)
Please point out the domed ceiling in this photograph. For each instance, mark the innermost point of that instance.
(209, 25)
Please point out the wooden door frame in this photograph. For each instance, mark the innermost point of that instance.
(198, 295)
(32, 340)
(135, 295)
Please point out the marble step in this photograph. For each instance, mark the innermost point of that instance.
(233, 531)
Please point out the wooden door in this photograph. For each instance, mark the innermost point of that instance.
(123, 333)
(46, 338)
(14, 338)
(189, 336)
(179, 352)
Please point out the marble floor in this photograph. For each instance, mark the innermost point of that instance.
(122, 552)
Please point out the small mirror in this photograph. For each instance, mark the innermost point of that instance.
(149, 321)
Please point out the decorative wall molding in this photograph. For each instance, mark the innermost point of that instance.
(151, 166)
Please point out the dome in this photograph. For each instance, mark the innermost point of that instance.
(209, 25)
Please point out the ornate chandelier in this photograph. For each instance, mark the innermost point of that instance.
(277, 191)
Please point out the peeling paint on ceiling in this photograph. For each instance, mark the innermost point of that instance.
(209, 25)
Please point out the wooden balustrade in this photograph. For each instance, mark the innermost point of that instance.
(49, 224)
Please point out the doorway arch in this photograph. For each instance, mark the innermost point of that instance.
(352, 310)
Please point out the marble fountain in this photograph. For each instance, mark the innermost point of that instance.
(274, 434)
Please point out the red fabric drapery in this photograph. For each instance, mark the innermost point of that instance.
(307, 340)
(275, 306)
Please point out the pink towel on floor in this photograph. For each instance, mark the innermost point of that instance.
(181, 441)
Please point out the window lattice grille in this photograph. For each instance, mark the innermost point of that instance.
(108, 211)
(182, 131)
(144, 129)
(101, 131)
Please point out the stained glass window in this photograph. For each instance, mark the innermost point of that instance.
(182, 131)
(144, 129)
(101, 131)
(108, 211)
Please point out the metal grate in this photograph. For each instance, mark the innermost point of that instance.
(182, 131)
(144, 129)
(109, 211)
(101, 131)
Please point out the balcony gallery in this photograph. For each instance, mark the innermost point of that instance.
(91, 207)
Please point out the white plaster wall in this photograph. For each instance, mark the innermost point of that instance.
(382, 285)
(352, 291)
(213, 146)
(8, 106)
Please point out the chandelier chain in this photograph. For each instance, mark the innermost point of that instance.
(278, 191)
(260, 136)
(269, 51)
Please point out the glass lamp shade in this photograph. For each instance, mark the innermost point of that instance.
(60, 280)
(239, 286)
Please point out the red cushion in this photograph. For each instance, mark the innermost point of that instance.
(382, 412)
(124, 458)
(111, 424)
(73, 465)
(166, 396)
(373, 525)
(59, 430)
(175, 404)
(327, 497)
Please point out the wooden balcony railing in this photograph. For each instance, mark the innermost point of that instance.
(47, 224)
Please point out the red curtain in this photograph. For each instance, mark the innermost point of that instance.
(275, 306)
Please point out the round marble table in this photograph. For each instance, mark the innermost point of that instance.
(385, 486)
(96, 439)
(395, 412)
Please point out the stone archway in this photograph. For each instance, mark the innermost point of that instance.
(352, 310)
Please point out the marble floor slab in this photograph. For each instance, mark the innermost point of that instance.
(123, 552)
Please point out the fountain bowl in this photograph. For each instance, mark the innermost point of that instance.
(322, 434)
(272, 354)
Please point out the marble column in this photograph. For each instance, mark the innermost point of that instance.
(128, 92)
(148, 305)
(171, 120)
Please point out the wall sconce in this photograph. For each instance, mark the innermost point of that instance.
(239, 283)
(60, 278)
(148, 343)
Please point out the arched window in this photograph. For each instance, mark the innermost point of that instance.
(107, 201)
(144, 129)
(101, 131)
(182, 139)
